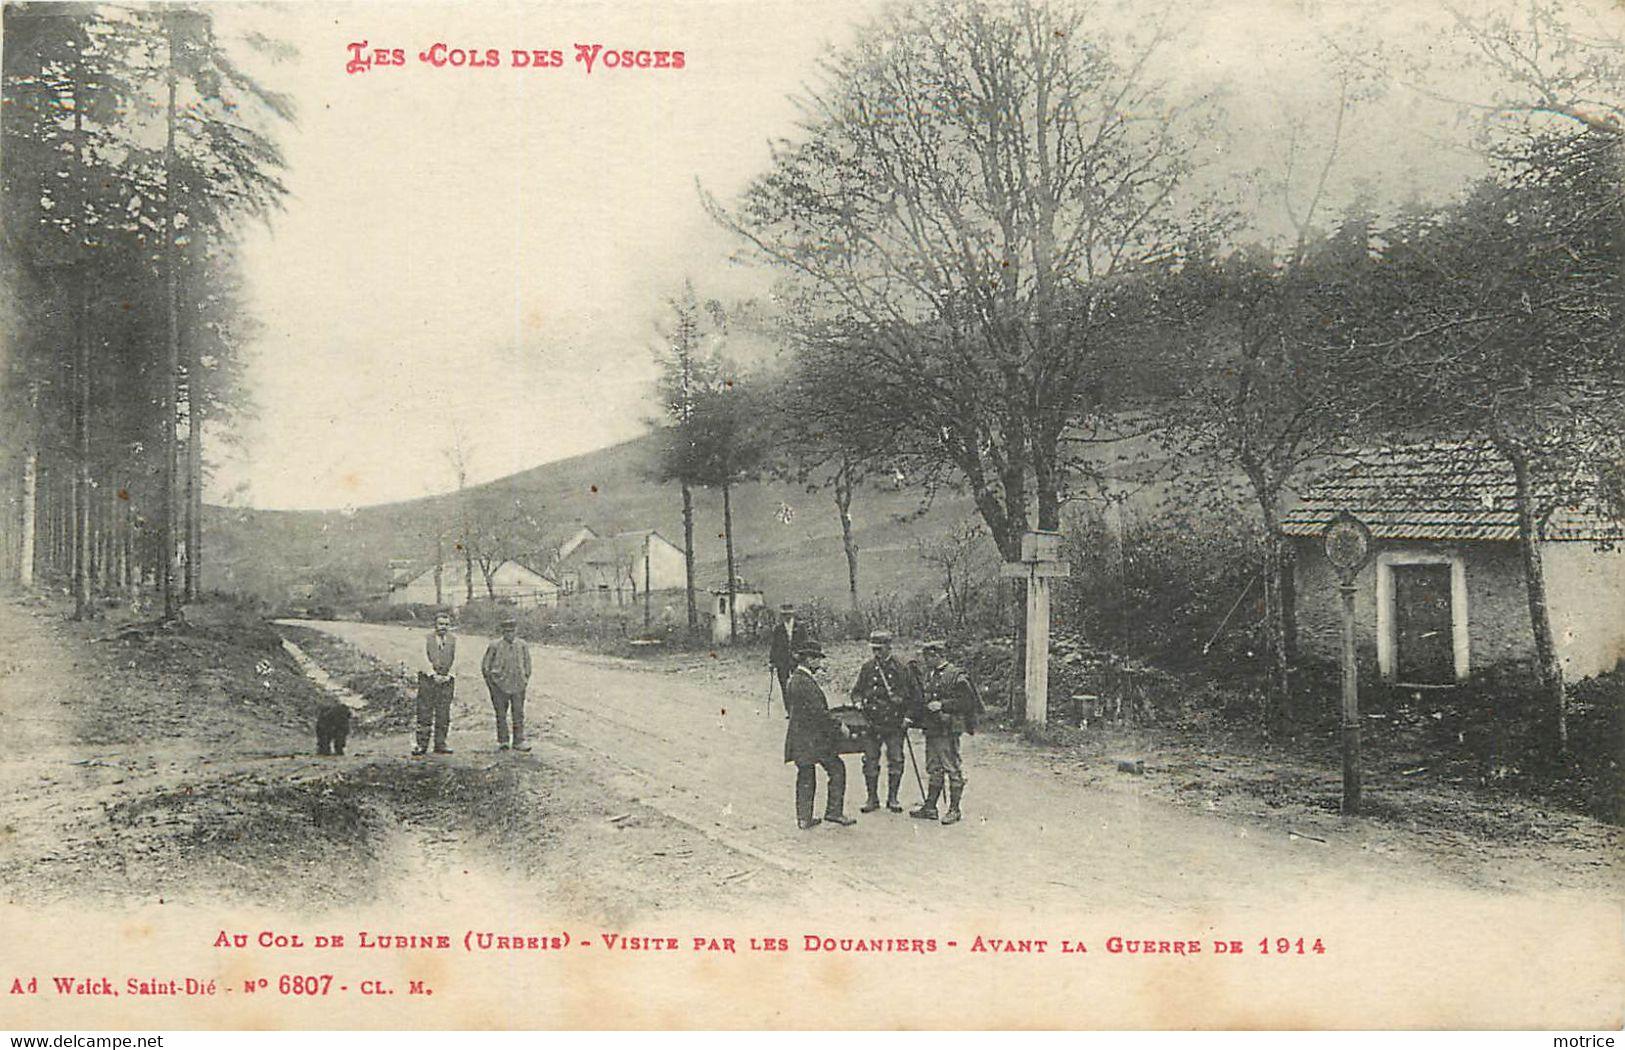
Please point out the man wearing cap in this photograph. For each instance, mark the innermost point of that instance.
(812, 740)
(506, 667)
(885, 692)
(949, 702)
(788, 636)
(435, 687)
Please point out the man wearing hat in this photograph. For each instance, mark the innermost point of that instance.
(950, 702)
(435, 687)
(885, 692)
(506, 667)
(788, 635)
(812, 740)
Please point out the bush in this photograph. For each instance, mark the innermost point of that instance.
(1164, 588)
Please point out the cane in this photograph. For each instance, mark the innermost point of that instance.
(908, 739)
(770, 676)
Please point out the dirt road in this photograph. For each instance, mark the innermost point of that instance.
(707, 752)
(161, 784)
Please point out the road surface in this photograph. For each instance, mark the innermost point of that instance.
(707, 753)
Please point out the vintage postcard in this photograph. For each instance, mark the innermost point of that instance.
(679, 514)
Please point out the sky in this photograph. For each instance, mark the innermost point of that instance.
(483, 255)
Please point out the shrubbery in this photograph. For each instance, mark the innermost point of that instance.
(1180, 589)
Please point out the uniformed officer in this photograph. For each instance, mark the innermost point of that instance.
(949, 702)
(813, 740)
(885, 692)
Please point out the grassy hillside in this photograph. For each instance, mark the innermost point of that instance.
(610, 490)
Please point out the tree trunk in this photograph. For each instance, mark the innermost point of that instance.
(29, 514)
(468, 573)
(81, 435)
(688, 557)
(843, 504)
(1278, 678)
(728, 540)
(127, 560)
(115, 538)
(1275, 618)
(171, 368)
(1534, 575)
(439, 571)
(1016, 687)
(194, 478)
(648, 608)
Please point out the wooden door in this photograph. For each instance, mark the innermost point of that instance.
(1424, 650)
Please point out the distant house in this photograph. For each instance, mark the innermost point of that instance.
(618, 569)
(511, 582)
(1443, 594)
(582, 536)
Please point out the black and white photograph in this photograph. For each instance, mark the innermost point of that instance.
(870, 515)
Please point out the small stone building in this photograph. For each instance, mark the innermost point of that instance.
(1443, 594)
(745, 597)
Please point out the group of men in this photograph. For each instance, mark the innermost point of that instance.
(506, 669)
(891, 696)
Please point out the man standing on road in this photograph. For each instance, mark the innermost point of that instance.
(950, 704)
(788, 636)
(506, 667)
(435, 687)
(813, 740)
(885, 692)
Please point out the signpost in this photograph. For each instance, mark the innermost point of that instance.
(1040, 562)
(1348, 547)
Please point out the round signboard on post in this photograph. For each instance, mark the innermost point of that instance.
(1348, 544)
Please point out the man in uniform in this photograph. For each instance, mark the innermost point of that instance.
(506, 666)
(885, 692)
(813, 740)
(788, 636)
(435, 687)
(949, 703)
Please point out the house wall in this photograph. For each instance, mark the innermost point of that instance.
(419, 591)
(622, 582)
(511, 581)
(1497, 613)
(1585, 592)
(667, 567)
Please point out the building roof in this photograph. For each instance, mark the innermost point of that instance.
(453, 570)
(610, 550)
(1437, 491)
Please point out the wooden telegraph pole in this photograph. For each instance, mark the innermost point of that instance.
(1040, 562)
(1348, 547)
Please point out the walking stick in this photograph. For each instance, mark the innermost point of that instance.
(771, 674)
(908, 739)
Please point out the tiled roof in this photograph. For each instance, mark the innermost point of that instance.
(1439, 491)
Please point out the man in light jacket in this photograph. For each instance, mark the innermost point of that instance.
(506, 666)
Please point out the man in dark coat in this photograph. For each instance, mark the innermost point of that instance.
(789, 634)
(950, 708)
(812, 740)
(885, 692)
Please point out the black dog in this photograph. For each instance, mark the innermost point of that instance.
(332, 728)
